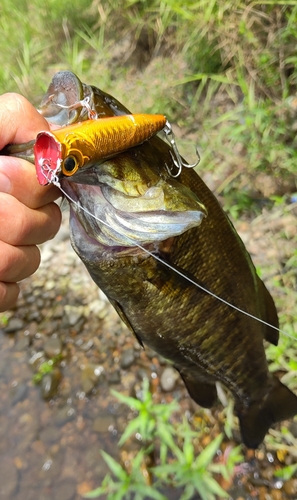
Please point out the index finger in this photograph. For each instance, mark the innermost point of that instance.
(19, 120)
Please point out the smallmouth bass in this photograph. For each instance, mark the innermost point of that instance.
(206, 340)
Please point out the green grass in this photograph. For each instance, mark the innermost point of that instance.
(224, 69)
(170, 456)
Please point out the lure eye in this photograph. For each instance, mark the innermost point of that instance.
(70, 165)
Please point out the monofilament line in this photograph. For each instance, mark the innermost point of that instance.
(55, 181)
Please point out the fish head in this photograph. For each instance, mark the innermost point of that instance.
(125, 203)
(68, 100)
(120, 200)
(59, 105)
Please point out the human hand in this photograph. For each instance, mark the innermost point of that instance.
(28, 215)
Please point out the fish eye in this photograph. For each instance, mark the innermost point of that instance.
(70, 165)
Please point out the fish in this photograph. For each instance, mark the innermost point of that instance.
(163, 251)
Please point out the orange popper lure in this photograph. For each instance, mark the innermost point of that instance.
(66, 150)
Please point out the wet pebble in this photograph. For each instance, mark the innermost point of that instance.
(14, 324)
(18, 392)
(50, 435)
(290, 487)
(36, 359)
(114, 377)
(74, 314)
(50, 384)
(276, 495)
(86, 346)
(22, 343)
(8, 478)
(65, 414)
(65, 490)
(97, 306)
(127, 358)
(58, 312)
(51, 469)
(53, 347)
(34, 316)
(90, 376)
(168, 379)
(103, 423)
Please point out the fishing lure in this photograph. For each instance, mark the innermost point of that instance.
(71, 148)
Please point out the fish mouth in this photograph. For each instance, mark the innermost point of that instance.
(109, 220)
(48, 157)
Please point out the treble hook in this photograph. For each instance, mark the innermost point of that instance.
(175, 155)
(84, 103)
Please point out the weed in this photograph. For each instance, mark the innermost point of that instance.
(45, 368)
(169, 457)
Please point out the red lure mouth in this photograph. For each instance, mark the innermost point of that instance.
(48, 157)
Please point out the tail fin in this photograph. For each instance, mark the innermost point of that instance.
(279, 404)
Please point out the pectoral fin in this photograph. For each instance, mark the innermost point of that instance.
(124, 318)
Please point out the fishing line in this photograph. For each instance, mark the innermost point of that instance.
(54, 180)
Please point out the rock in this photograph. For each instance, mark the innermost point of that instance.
(22, 343)
(53, 347)
(37, 359)
(18, 392)
(96, 306)
(34, 316)
(74, 314)
(168, 379)
(14, 324)
(50, 435)
(290, 487)
(65, 414)
(127, 358)
(90, 376)
(50, 384)
(86, 346)
(66, 490)
(103, 423)
(8, 478)
(114, 377)
(58, 312)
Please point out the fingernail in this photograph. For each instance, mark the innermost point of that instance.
(5, 183)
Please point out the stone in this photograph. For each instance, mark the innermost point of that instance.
(127, 358)
(50, 384)
(8, 478)
(53, 347)
(14, 324)
(168, 379)
(103, 423)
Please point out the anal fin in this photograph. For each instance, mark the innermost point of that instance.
(203, 393)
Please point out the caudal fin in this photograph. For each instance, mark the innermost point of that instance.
(278, 404)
